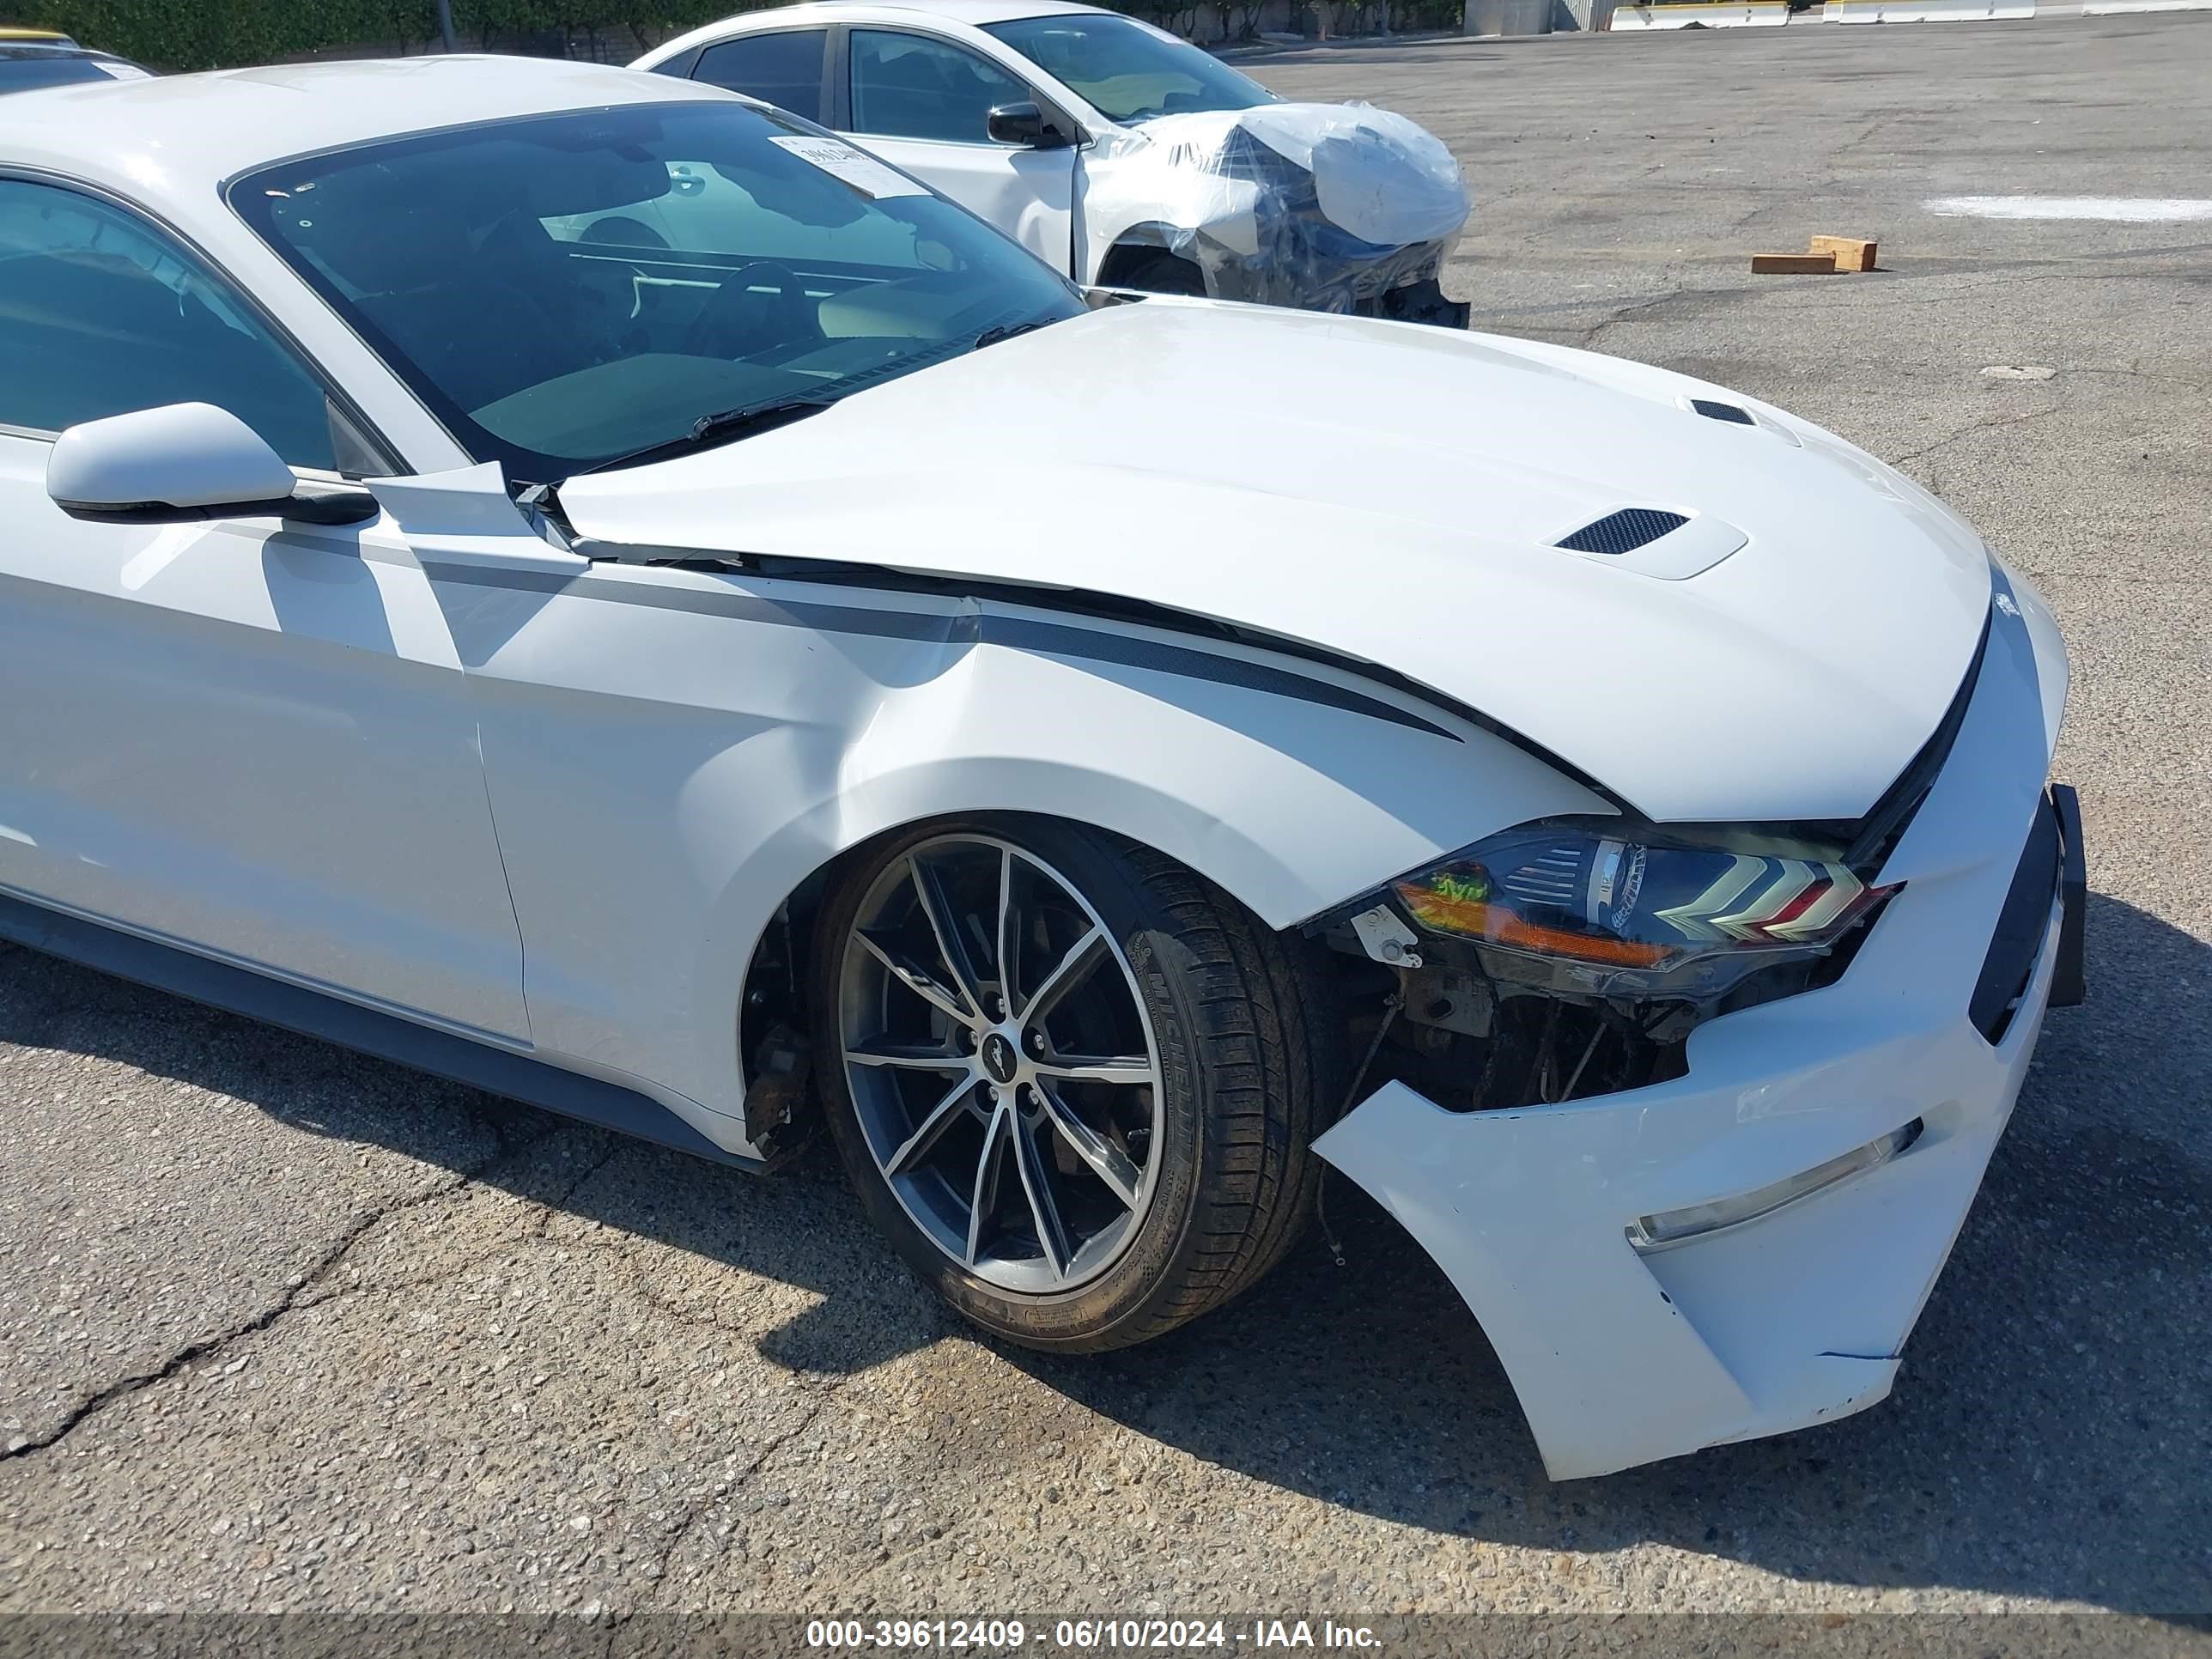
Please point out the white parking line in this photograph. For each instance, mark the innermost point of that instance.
(2116, 209)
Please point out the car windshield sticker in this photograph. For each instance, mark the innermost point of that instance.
(126, 71)
(864, 172)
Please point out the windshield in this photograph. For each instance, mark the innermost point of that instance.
(1128, 71)
(564, 291)
(23, 67)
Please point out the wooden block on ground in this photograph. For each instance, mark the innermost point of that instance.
(1849, 252)
(1793, 264)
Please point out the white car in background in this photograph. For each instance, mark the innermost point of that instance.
(807, 673)
(40, 57)
(1113, 150)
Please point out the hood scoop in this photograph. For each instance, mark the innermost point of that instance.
(1728, 414)
(1655, 541)
(1713, 410)
(1623, 531)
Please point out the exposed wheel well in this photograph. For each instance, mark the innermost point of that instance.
(1142, 254)
(772, 1021)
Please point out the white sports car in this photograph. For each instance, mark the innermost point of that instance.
(807, 674)
(1111, 150)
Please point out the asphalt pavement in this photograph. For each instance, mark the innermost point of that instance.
(283, 1327)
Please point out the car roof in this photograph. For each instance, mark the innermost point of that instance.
(167, 141)
(13, 34)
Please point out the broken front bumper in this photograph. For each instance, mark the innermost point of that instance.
(1621, 1356)
(1310, 265)
(1422, 301)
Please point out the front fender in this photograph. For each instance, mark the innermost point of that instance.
(1126, 197)
(1290, 804)
(672, 753)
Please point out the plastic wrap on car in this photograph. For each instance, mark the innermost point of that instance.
(1325, 207)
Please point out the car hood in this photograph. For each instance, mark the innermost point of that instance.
(1393, 494)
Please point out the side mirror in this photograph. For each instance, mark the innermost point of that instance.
(1024, 124)
(182, 462)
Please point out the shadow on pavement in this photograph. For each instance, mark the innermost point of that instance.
(2051, 1434)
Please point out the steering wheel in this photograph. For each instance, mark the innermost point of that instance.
(738, 322)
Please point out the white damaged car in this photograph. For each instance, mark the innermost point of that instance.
(1112, 149)
(795, 677)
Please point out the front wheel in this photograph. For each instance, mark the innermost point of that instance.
(1074, 1083)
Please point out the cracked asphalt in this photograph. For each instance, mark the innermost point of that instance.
(283, 1328)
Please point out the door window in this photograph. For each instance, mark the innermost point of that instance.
(783, 68)
(907, 85)
(104, 316)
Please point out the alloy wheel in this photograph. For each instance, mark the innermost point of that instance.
(1002, 1067)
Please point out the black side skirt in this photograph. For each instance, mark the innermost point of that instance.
(387, 1037)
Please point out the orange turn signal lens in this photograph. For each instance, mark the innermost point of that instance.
(1478, 919)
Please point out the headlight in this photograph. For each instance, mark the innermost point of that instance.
(1611, 905)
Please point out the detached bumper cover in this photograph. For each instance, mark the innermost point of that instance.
(1310, 267)
(1621, 1358)
(2069, 979)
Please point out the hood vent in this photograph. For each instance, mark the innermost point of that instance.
(1623, 531)
(1718, 411)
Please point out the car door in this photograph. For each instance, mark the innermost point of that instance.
(247, 736)
(924, 104)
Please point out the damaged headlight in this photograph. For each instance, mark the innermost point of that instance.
(1614, 907)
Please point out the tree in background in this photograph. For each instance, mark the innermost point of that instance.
(199, 34)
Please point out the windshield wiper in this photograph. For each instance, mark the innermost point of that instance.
(743, 422)
(723, 427)
(998, 332)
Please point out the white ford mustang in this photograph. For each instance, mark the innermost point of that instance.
(828, 668)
